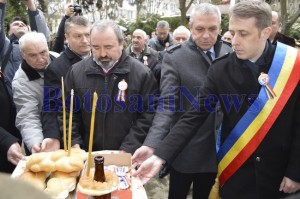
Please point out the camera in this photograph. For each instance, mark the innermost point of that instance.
(77, 9)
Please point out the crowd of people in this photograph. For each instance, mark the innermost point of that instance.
(201, 104)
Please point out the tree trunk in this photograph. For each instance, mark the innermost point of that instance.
(183, 10)
(287, 24)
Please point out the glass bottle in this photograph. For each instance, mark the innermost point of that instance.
(99, 175)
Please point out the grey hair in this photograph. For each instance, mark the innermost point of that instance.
(278, 15)
(260, 11)
(141, 31)
(162, 24)
(105, 24)
(205, 9)
(32, 37)
(76, 20)
(182, 29)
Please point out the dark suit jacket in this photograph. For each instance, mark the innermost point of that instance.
(284, 39)
(278, 154)
(184, 69)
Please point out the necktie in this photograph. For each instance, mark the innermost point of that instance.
(208, 53)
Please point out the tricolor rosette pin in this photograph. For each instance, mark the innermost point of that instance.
(122, 88)
(145, 58)
(264, 80)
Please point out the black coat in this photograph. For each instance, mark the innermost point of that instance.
(52, 90)
(277, 155)
(152, 59)
(121, 125)
(9, 134)
(284, 39)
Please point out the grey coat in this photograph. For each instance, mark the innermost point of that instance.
(158, 45)
(184, 69)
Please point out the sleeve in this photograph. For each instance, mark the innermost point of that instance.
(4, 42)
(58, 44)
(151, 44)
(51, 104)
(166, 110)
(293, 171)
(28, 119)
(139, 130)
(6, 140)
(76, 120)
(186, 126)
(38, 23)
(157, 67)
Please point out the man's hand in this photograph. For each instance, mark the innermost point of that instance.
(148, 169)
(50, 144)
(14, 153)
(289, 186)
(29, 4)
(69, 11)
(141, 154)
(36, 148)
(76, 146)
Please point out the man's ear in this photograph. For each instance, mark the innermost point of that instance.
(266, 32)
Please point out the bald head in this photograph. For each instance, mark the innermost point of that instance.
(139, 38)
(276, 25)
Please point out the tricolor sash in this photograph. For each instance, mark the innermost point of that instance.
(251, 129)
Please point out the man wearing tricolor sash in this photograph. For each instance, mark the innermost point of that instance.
(259, 92)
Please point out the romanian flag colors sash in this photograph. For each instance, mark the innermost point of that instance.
(251, 129)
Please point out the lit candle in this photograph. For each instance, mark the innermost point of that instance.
(70, 122)
(64, 112)
(92, 128)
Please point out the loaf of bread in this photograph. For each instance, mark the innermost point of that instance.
(36, 179)
(57, 161)
(60, 184)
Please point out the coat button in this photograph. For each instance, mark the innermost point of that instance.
(257, 159)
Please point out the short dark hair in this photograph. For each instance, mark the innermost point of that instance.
(75, 20)
(17, 18)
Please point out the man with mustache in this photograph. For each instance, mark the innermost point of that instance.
(124, 110)
(140, 50)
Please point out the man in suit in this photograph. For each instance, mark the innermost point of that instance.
(258, 88)
(184, 68)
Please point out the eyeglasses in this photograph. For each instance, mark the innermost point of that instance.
(161, 33)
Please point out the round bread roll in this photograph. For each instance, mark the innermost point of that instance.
(87, 185)
(60, 184)
(36, 179)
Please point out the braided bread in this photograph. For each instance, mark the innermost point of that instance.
(57, 161)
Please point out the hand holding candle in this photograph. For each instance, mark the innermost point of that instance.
(92, 127)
